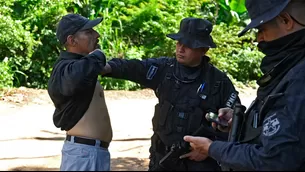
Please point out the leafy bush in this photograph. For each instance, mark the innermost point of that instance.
(232, 12)
(17, 45)
(40, 17)
(6, 74)
(236, 56)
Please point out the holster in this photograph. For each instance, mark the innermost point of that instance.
(158, 151)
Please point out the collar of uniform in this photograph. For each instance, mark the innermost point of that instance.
(69, 55)
(185, 73)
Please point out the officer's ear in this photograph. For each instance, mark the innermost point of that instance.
(286, 21)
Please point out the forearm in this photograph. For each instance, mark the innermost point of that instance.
(147, 72)
(253, 157)
(132, 70)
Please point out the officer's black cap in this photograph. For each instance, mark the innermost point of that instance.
(72, 23)
(194, 33)
(262, 11)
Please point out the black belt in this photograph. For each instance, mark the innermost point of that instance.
(87, 141)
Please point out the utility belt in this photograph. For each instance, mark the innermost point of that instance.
(166, 158)
(161, 148)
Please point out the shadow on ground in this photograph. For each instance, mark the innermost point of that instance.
(33, 168)
(117, 164)
(129, 164)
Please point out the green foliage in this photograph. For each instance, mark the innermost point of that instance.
(236, 56)
(232, 12)
(6, 74)
(118, 84)
(131, 29)
(40, 17)
(148, 23)
(5, 7)
(17, 45)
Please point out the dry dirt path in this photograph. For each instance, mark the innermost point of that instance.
(29, 140)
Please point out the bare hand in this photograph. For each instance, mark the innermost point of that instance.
(199, 144)
(224, 114)
(194, 155)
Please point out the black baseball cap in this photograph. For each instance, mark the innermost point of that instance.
(194, 33)
(262, 11)
(72, 23)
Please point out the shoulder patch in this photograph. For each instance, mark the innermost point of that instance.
(151, 72)
(231, 100)
(271, 125)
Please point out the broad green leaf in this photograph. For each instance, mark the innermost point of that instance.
(238, 6)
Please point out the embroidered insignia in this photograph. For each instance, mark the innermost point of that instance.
(151, 72)
(231, 100)
(271, 125)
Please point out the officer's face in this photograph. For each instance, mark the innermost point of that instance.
(269, 32)
(280, 26)
(188, 56)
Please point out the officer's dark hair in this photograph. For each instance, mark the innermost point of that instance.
(296, 9)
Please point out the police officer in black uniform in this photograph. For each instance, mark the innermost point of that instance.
(187, 87)
(272, 132)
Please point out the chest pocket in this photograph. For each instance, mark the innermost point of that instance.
(216, 87)
(212, 102)
(273, 101)
(251, 133)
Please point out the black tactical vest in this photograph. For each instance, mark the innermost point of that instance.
(182, 105)
(252, 125)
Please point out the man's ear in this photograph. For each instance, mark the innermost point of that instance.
(71, 41)
(286, 20)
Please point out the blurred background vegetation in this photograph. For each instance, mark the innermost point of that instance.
(132, 29)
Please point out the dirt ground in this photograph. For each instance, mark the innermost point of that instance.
(29, 141)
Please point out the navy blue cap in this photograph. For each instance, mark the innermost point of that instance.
(72, 23)
(262, 11)
(194, 33)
